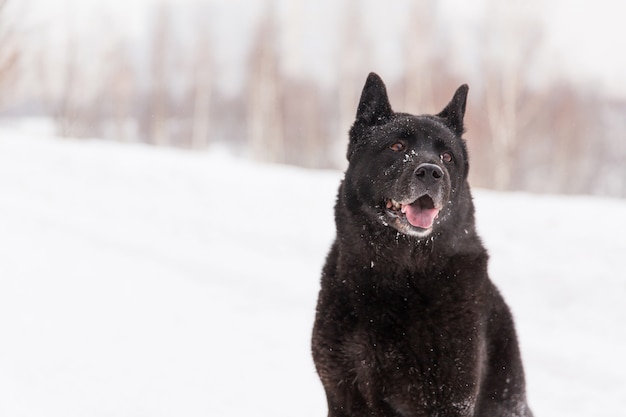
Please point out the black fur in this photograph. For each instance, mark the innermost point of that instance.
(408, 323)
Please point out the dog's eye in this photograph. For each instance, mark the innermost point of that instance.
(397, 146)
(446, 157)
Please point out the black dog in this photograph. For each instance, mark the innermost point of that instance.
(408, 322)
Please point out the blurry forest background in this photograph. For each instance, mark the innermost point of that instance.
(279, 81)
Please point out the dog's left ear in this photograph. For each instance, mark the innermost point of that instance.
(455, 110)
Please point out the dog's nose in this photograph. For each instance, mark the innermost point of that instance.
(429, 173)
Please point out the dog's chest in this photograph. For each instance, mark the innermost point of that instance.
(417, 351)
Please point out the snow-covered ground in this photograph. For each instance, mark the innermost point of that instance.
(147, 282)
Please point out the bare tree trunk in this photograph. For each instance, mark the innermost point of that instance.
(508, 58)
(418, 85)
(201, 117)
(158, 117)
(352, 57)
(121, 93)
(64, 112)
(265, 117)
(501, 98)
(9, 55)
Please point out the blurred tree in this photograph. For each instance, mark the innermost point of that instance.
(511, 34)
(9, 54)
(69, 84)
(420, 57)
(202, 89)
(304, 128)
(158, 132)
(547, 136)
(353, 66)
(63, 104)
(121, 94)
(266, 138)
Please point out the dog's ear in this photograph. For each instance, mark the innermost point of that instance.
(374, 107)
(455, 110)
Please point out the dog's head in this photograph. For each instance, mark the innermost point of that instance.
(404, 169)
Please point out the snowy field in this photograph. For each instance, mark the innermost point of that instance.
(147, 282)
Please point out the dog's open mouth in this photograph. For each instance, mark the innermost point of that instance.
(420, 213)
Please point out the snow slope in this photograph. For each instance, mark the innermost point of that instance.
(147, 282)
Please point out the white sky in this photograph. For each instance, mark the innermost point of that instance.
(592, 38)
(584, 39)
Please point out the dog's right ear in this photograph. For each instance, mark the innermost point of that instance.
(374, 107)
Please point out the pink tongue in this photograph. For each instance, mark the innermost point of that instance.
(420, 217)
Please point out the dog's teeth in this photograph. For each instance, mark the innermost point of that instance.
(393, 205)
(404, 208)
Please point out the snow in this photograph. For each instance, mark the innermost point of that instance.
(137, 281)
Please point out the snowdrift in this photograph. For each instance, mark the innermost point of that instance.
(140, 281)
